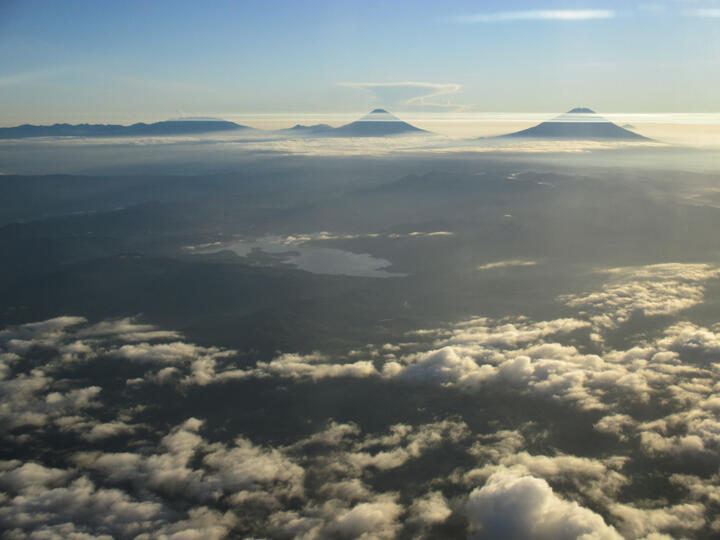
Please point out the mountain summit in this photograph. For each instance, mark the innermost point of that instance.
(377, 123)
(578, 123)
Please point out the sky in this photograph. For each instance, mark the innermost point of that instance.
(122, 62)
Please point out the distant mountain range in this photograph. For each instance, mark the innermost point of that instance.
(579, 123)
(169, 128)
(377, 123)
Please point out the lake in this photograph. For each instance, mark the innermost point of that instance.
(318, 260)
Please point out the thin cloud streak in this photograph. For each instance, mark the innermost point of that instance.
(706, 13)
(26, 77)
(539, 15)
(427, 91)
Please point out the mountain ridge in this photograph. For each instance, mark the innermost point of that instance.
(166, 127)
(377, 123)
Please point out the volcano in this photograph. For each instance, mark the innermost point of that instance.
(378, 123)
(578, 123)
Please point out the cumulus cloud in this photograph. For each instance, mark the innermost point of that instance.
(351, 456)
(241, 471)
(30, 399)
(39, 334)
(639, 523)
(598, 480)
(376, 519)
(530, 357)
(100, 493)
(661, 289)
(516, 507)
(109, 512)
(482, 352)
(617, 424)
(29, 477)
(430, 509)
(656, 394)
(691, 338)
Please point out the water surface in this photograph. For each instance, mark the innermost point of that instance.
(318, 260)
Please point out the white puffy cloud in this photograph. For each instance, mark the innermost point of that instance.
(703, 489)
(430, 509)
(661, 289)
(38, 334)
(688, 337)
(376, 519)
(517, 507)
(244, 475)
(29, 477)
(240, 472)
(109, 429)
(352, 455)
(102, 511)
(32, 399)
(616, 424)
(325, 483)
(595, 480)
(639, 522)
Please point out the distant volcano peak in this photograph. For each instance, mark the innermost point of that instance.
(377, 123)
(579, 123)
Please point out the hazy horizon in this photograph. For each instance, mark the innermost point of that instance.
(687, 129)
(323, 57)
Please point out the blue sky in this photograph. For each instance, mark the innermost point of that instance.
(101, 61)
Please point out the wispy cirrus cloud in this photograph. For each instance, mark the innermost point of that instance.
(406, 93)
(538, 15)
(27, 77)
(703, 13)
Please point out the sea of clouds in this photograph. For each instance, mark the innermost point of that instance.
(83, 459)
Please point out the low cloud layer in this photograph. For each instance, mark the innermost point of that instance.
(649, 408)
